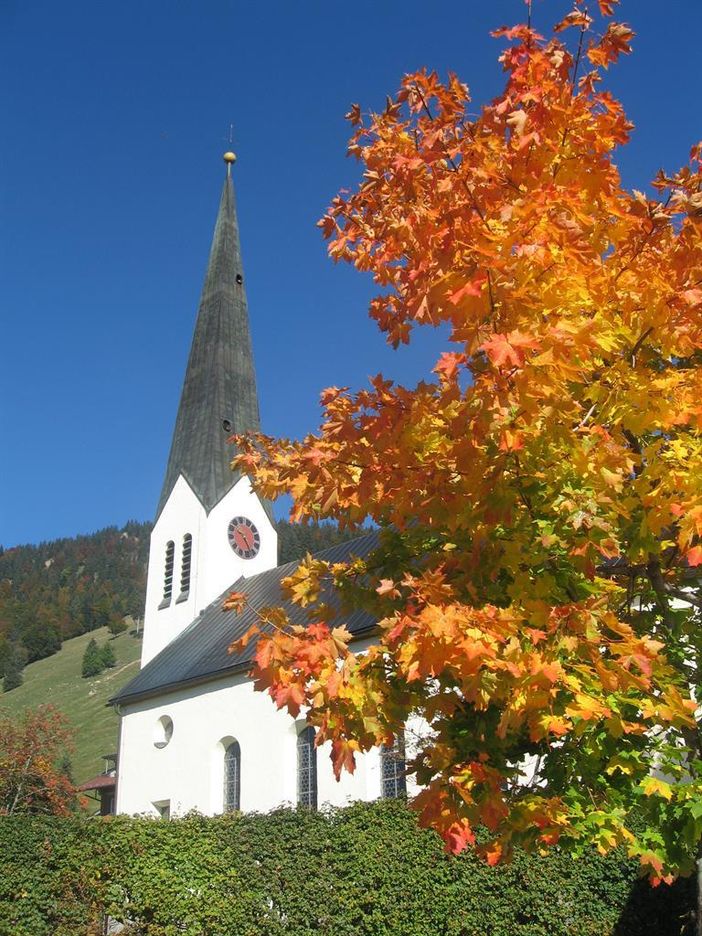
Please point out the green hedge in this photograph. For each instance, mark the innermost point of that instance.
(362, 871)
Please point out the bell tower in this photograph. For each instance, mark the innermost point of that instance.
(210, 527)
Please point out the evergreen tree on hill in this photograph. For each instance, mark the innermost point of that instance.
(92, 660)
(12, 662)
(295, 540)
(107, 655)
(13, 679)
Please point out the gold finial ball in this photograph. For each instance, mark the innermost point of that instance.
(229, 157)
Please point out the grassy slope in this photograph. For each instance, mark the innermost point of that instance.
(57, 680)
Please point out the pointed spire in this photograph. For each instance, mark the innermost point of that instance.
(219, 391)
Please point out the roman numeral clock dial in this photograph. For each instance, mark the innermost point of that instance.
(244, 538)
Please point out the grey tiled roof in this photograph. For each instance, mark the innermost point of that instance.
(200, 653)
(220, 384)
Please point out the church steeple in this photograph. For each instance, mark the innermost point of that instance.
(219, 391)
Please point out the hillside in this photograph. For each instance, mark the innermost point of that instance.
(57, 590)
(57, 679)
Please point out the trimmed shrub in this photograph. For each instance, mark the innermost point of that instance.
(361, 871)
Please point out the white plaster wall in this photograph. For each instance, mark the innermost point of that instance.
(222, 567)
(183, 513)
(214, 565)
(188, 771)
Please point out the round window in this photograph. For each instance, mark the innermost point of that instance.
(163, 731)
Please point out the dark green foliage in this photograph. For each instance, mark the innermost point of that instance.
(92, 663)
(41, 639)
(12, 679)
(117, 626)
(361, 871)
(6, 648)
(13, 661)
(297, 539)
(107, 655)
(96, 659)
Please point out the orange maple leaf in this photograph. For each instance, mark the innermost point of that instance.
(387, 587)
(694, 556)
(235, 601)
(509, 348)
(448, 364)
(472, 288)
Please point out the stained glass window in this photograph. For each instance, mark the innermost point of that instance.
(393, 782)
(307, 768)
(232, 777)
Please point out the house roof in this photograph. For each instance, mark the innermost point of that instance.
(101, 782)
(201, 652)
(219, 390)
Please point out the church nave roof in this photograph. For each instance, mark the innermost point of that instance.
(200, 653)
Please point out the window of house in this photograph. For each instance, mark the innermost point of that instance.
(163, 808)
(186, 561)
(393, 781)
(232, 777)
(168, 574)
(163, 731)
(307, 768)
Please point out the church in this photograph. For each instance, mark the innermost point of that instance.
(193, 733)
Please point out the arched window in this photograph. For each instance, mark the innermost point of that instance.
(163, 731)
(307, 768)
(393, 782)
(168, 574)
(232, 777)
(186, 560)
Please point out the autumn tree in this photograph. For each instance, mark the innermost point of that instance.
(33, 758)
(539, 497)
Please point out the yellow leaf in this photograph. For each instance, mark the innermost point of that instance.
(654, 786)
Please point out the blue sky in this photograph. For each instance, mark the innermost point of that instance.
(114, 119)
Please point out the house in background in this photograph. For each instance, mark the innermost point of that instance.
(102, 787)
(194, 735)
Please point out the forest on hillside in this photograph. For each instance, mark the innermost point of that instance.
(60, 589)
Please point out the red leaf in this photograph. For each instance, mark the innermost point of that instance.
(694, 556)
(448, 364)
(472, 288)
(235, 602)
(458, 837)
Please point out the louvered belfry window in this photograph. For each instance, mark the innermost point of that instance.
(186, 561)
(168, 573)
(393, 782)
(232, 777)
(307, 769)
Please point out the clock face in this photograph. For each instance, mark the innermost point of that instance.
(244, 538)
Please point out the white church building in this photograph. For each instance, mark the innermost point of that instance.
(194, 735)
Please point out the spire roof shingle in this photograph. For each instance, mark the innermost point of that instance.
(219, 391)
